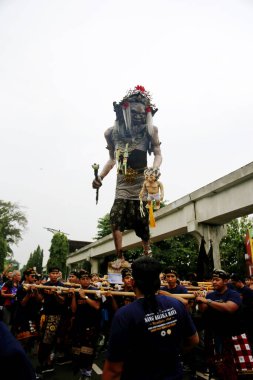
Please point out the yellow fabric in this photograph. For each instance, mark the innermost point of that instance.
(151, 217)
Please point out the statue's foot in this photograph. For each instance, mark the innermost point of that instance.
(117, 264)
(147, 252)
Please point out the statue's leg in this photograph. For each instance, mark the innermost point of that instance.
(149, 204)
(157, 205)
(117, 237)
(146, 248)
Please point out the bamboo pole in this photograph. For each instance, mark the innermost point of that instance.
(100, 292)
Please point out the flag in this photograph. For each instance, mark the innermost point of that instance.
(202, 263)
(249, 243)
(210, 260)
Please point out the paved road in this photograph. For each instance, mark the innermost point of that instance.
(65, 372)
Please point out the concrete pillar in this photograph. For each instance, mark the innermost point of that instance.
(210, 233)
(94, 265)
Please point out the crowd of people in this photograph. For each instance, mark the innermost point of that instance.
(152, 326)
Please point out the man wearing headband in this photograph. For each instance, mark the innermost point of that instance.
(27, 315)
(128, 141)
(53, 309)
(147, 336)
(86, 309)
(171, 277)
(74, 277)
(221, 317)
(126, 287)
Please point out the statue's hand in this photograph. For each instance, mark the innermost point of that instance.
(97, 183)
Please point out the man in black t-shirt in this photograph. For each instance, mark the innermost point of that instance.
(221, 316)
(53, 309)
(148, 335)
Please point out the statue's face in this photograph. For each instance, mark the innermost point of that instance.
(138, 114)
(152, 178)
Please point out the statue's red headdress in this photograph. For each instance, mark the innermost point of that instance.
(138, 95)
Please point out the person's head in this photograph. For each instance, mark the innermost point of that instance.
(73, 277)
(16, 275)
(95, 277)
(236, 280)
(171, 276)
(85, 279)
(145, 272)
(30, 275)
(9, 275)
(220, 279)
(247, 281)
(127, 277)
(37, 278)
(53, 273)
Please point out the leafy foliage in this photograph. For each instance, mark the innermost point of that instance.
(12, 224)
(59, 251)
(103, 227)
(35, 260)
(180, 252)
(232, 246)
(3, 252)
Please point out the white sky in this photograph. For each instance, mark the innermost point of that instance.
(64, 62)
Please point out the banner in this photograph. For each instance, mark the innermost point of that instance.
(249, 244)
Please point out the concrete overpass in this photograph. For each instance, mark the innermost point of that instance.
(203, 212)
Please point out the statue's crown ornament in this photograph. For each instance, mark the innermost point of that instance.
(137, 95)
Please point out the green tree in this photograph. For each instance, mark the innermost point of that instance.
(180, 252)
(12, 224)
(86, 265)
(3, 252)
(59, 251)
(103, 227)
(35, 260)
(232, 246)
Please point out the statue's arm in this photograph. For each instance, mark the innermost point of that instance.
(161, 190)
(107, 167)
(156, 147)
(111, 162)
(97, 182)
(143, 190)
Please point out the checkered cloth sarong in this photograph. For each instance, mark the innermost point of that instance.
(242, 353)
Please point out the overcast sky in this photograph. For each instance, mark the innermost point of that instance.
(64, 62)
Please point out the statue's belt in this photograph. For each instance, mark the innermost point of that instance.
(131, 174)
